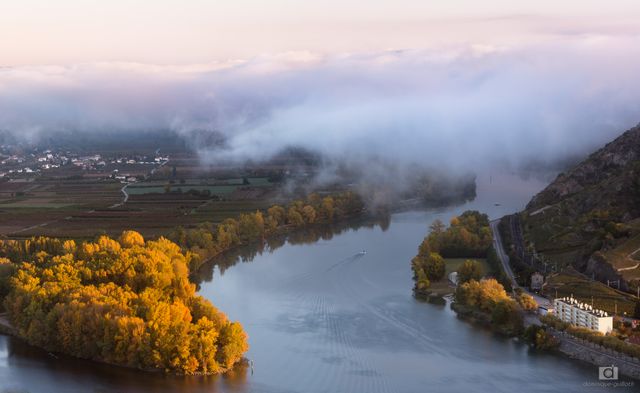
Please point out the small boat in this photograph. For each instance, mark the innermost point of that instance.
(363, 252)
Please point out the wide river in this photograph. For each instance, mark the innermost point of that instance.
(322, 318)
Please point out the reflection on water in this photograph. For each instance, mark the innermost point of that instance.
(323, 318)
(302, 236)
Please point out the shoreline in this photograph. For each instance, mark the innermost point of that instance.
(570, 347)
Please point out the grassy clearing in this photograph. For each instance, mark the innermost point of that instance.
(443, 287)
(453, 264)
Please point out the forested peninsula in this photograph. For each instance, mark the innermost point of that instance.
(130, 302)
(126, 301)
(479, 295)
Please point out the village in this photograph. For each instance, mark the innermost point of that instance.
(20, 163)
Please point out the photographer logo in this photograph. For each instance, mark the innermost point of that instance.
(608, 373)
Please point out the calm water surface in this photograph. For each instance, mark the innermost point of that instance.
(322, 318)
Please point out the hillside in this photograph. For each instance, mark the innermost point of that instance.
(588, 217)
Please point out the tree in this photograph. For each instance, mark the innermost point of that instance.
(527, 302)
(294, 217)
(425, 248)
(309, 214)
(131, 239)
(277, 214)
(470, 270)
(437, 227)
(327, 209)
(434, 266)
(422, 281)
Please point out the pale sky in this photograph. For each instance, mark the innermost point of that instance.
(36, 32)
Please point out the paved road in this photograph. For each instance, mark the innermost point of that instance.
(504, 259)
(125, 197)
(502, 255)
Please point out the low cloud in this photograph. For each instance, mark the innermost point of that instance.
(452, 108)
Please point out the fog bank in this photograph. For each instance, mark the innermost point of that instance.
(451, 108)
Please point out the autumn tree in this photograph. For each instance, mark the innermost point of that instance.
(470, 270)
(527, 302)
(431, 265)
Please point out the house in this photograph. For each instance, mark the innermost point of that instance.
(537, 281)
(453, 278)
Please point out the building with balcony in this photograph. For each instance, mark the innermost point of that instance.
(581, 314)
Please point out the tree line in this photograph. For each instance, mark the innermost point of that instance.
(207, 239)
(610, 341)
(123, 301)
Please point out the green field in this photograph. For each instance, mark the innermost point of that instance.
(214, 190)
(221, 187)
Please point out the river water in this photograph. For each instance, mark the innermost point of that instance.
(323, 318)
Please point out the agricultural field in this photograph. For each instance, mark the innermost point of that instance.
(574, 284)
(85, 206)
(625, 257)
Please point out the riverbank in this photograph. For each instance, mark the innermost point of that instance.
(576, 348)
(570, 346)
(5, 325)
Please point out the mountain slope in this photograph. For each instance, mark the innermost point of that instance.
(588, 216)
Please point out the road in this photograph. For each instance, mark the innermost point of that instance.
(502, 255)
(125, 197)
(504, 259)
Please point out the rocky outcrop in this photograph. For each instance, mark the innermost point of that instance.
(599, 268)
(601, 166)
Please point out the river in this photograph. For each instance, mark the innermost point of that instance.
(323, 318)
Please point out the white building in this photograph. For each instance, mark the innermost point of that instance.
(453, 277)
(576, 313)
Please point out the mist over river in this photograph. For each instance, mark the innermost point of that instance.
(322, 317)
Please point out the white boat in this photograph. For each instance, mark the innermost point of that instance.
(363, 252)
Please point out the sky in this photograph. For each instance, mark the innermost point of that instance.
(201, 31)
(401, 83)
